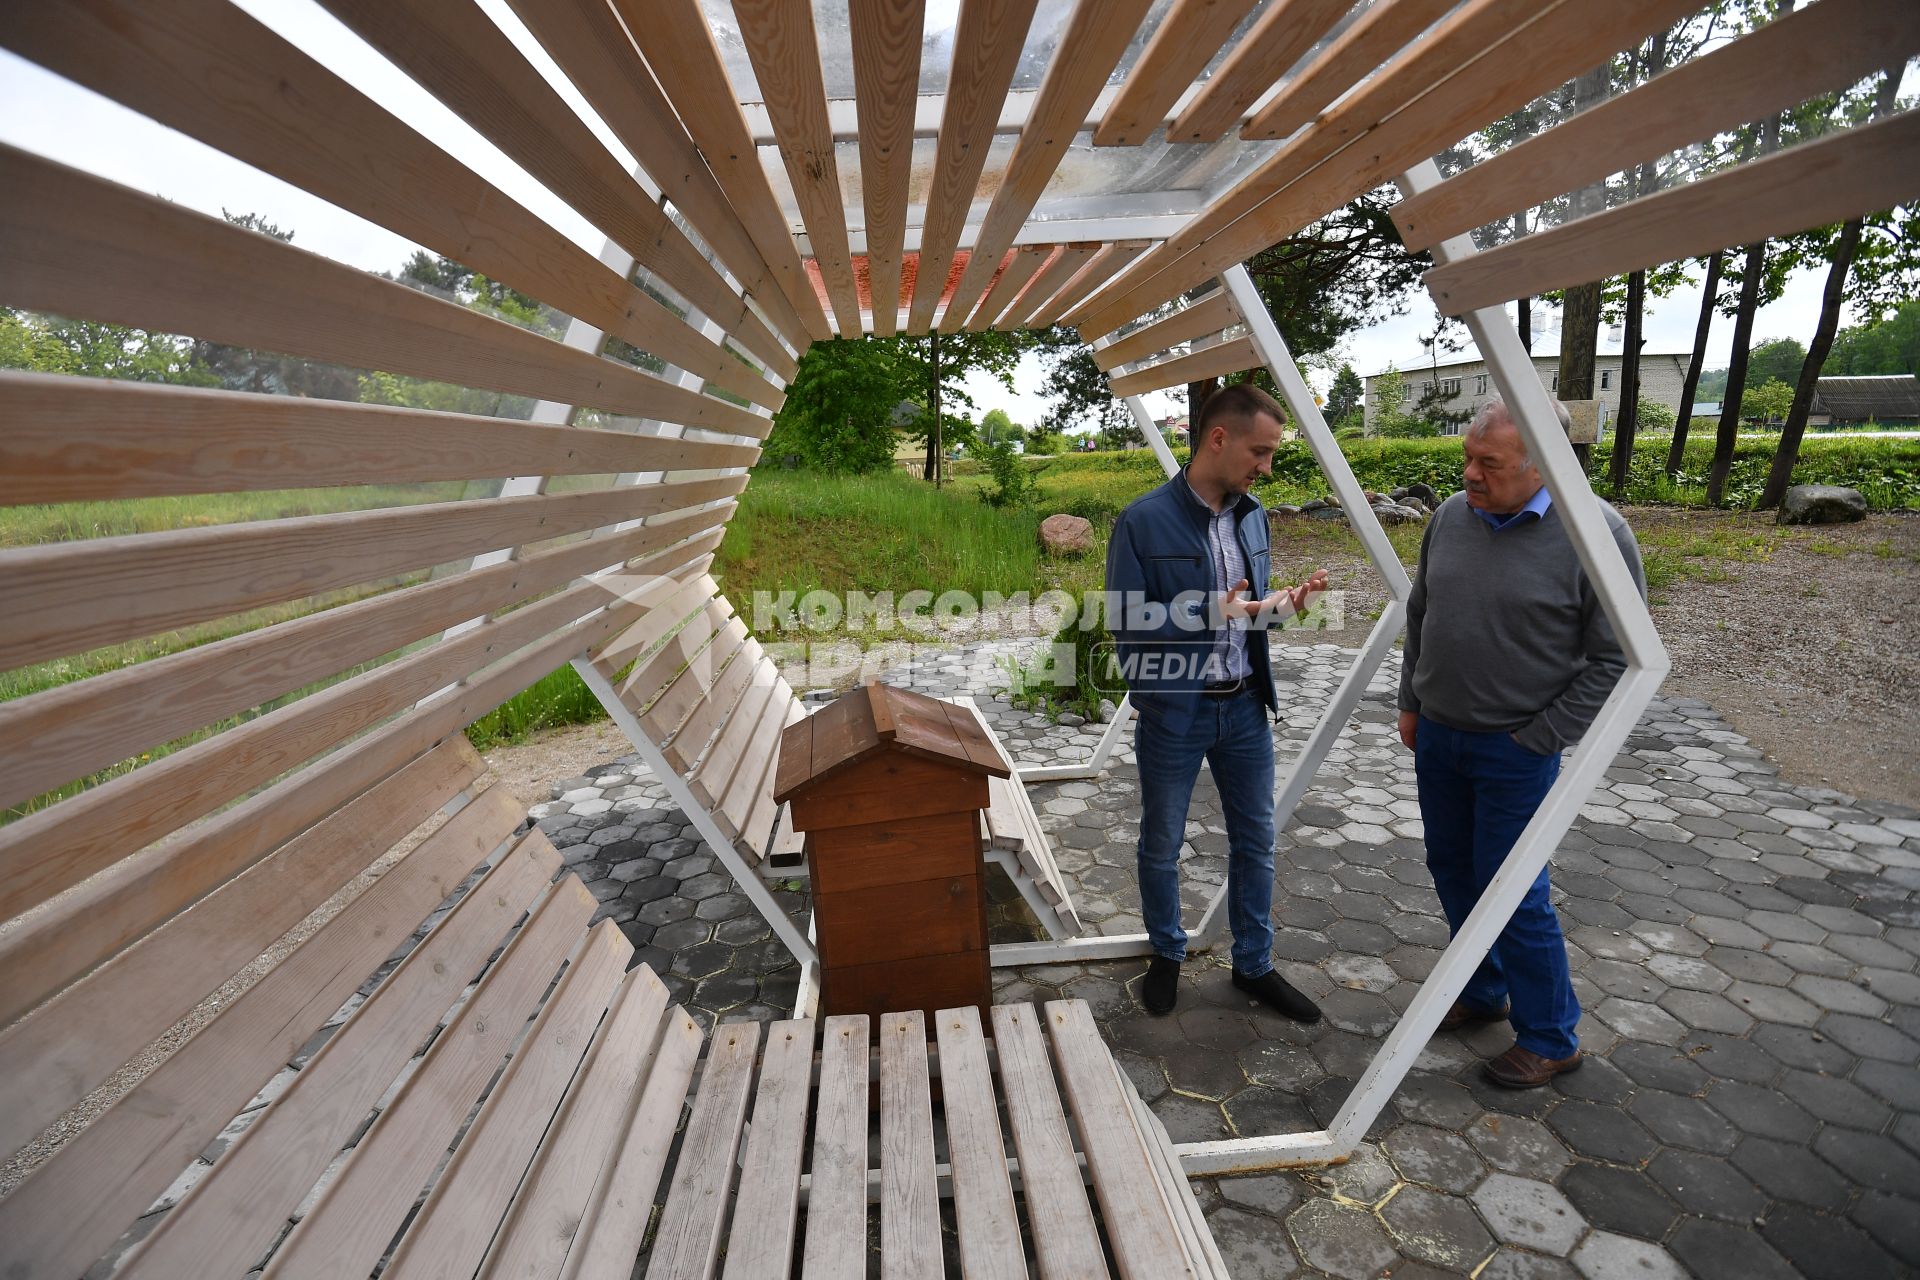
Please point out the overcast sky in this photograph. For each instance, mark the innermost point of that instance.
(43, 113)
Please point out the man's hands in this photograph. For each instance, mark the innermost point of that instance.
(1282, 603)
(1409, 727)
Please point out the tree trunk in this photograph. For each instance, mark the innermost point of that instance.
(1629, 423)
(1836, 291)
(1579, 336)
(934, 460)
(1728, 434)
(1197, 394)
(1523, 307)
(1676, 451)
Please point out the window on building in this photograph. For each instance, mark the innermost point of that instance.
(1556, 382)
(1407, 396)
(1606, 379)
(1480, 387)
(1450, 386)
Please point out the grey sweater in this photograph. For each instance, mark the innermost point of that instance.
(1504, 631)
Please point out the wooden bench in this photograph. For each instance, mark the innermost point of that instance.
(500, 1094)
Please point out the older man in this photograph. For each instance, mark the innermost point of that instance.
(1509, 658)
(1179, 566)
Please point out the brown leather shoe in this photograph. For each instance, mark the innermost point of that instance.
(1463, 1014)
(1519, 1068)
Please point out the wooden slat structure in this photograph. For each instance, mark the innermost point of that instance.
(239, 764)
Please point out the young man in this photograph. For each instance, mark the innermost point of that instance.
(1508, 660)
(1191, 644)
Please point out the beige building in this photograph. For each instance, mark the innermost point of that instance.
(1465, 385)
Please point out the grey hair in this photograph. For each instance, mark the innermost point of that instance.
(1495, 410)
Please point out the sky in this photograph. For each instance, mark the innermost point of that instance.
(43, 113)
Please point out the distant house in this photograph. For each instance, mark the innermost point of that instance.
(1465, 385)
(1888, 400)
(1176, 424)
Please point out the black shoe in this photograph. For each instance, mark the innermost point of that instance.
(1272, 989)
(1161, 990)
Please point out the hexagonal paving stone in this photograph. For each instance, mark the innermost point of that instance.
(1824, 1247)
(1435, 1157)
(1256, 1111)
(1603, 1132)
(1250, 1245)
(1893, 1222)
(1273, 1193)
(1870, 1159)
(1605, 1256)
(1366, 1176)
(1800, 1047)
(1789, 1172)
(1708, 1186)
(1340, 1240)
(1524, 1212)
(1436, 1100)
(1870, 1038)
(1715, 1249)
(1836, 1101)
(1519, 1145)
(1436, 1228)
(1515, 1264)
(1684, 1122)
(1726, 1058)
(1619, 1200)
(1638, 1020)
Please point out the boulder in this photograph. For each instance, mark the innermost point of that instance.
(1326, 513)
(1312, 505)
(1822, 504)
(1065, 535)
(1282, 511)
(1424, 492)
(1394, 513)
(1416, 506)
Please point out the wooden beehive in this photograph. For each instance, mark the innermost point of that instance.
(888, 786)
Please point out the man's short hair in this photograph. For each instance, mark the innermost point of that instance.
(1495, 410)
(1235, 407)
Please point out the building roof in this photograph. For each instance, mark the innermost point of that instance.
(1893, 395)
(875, 719)
(1422, 364)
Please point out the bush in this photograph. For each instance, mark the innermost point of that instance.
(1651, 415)
(1012, 477)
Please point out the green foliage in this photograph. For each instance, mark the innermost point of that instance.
(1651, 415)
(996, 428)
(1890, 346)
(1777, 359)
(1012, 478)
(1391, 420)
(89, 349)
(1346, 393)
(838, 414)
(1886, 472)
(1767, 403)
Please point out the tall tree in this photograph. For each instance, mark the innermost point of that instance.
(1845, 247)
(1345, 395)
(1690, 386)
(1643, 181)
(933, 371)
(838, 414)
(1580, 307)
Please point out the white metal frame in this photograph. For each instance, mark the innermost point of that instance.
(1647, 665)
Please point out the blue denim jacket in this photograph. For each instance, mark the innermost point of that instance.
(1158, 553)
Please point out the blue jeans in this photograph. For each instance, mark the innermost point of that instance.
(1231, 735)
(1477, 791)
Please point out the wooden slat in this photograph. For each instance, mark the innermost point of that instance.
(1134, 1207)
(1088, 51)
(767, 832)
(462, 57)
(1007, 289)
(76, 1204)
(886, 38)
(1844, 175)
(1209, 315)
(764, 1215)
(1188, 1217)
(217, 74)
(680, 49)
(616, 1220)
(752, 779)
(982, 1196)
(77, 245)
(68, 597)
(670, 602)
(1064, 1237)
(1065, 265)
(1108, 263)
(1797, 57)
(785, 53)
(687, 646)
(836, 1247)
(1280, 38)
(83, 439)
(539, 1231)
(1362, 49)
(1182, 45)
(449, 1237)
(586, 38)
(987, 38)
(684, 747)
(58, 846)
(909, 1199)
(69, 731)
(673, 704)
(46, 950)
(1221, 358)
(51, 1060)
(688, 1241)
(735, 741)
(1486, 59)
(230, 1217)
(366, 1202)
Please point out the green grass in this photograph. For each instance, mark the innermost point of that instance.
(71, 521)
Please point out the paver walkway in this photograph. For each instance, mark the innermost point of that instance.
(1745, 951)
